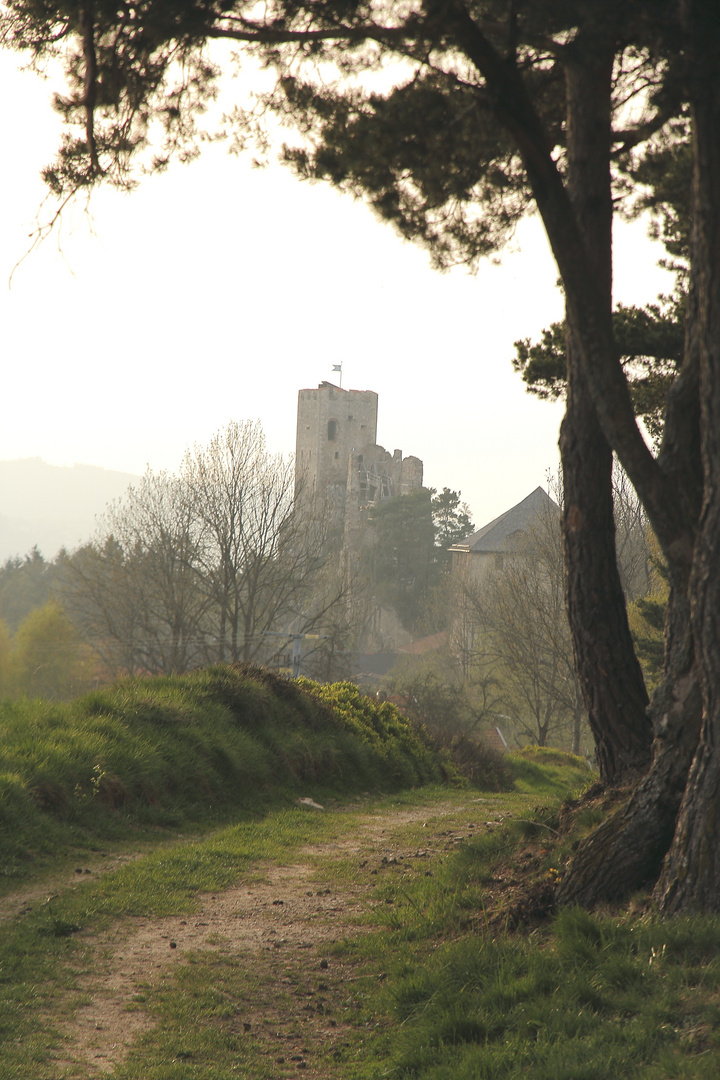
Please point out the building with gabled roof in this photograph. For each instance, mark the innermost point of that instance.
(488, 546)
(477, 558)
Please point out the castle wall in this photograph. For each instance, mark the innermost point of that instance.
(411, 474)
(336, 450)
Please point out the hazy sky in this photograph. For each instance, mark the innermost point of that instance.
(217, 291)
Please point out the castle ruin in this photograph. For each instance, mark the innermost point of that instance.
(340, 469)
(337, 455)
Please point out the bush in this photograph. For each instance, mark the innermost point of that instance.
(474, 760)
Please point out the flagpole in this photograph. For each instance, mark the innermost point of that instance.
(338, 367)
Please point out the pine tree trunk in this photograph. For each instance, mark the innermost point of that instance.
(691, 876)
(610, 675)
(626, 851)
(629, 849)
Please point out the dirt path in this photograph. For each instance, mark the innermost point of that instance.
(281, 920)
(285, 911)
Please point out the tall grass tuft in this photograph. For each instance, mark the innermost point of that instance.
(590, 997)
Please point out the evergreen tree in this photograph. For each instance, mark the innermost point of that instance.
(397, 553)
(5, 661)
(650, 341)
(451, 520)
(25, 583)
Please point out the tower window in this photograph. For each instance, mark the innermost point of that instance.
(337, 453)
(332, 430)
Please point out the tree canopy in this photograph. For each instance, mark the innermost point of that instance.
(25, 583)
(650, 341)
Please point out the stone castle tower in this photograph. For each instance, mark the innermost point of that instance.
(337, 453)
(341, 470)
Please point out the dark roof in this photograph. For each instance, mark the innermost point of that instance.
(495, 535)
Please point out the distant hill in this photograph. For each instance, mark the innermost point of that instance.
(52, 506)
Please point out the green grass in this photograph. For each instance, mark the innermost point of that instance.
(40, 952)
(548, 772)
(595, 998)
(188, 752)
(141, 765)
(582, 998)
(434, 985)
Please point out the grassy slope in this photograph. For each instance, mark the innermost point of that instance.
(186, 751)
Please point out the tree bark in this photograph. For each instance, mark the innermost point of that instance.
(610, 675)
(589, 314)
(628, 849)
(625, 852)
(691, 875)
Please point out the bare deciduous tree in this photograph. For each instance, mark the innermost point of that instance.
(516, 619)
(260, 547)
(214, 564)
(133, 590)
(517, 611)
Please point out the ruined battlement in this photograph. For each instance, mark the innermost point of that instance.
(337, 453)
